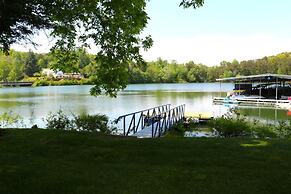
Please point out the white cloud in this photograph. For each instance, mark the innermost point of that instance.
(212, 49)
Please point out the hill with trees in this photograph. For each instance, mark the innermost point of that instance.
(21, 65)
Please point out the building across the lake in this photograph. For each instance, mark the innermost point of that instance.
(61, 74)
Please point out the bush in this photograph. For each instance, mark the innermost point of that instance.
(10, 119)
(283, 130)
(231, 127)
(83, 122)
(179, 127)
(59, 121)
(92, 123)
(62, 82)
(264, 131)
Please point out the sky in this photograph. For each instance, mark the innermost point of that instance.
(220, 30)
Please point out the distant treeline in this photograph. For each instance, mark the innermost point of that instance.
(162, 71)
(19, 65)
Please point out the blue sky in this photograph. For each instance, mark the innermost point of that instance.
(220, 30)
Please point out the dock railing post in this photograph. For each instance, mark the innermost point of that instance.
(152, 128)
(277, 89)
(260, 88)
(124, 133)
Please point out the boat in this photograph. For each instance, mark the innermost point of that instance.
(228, 100)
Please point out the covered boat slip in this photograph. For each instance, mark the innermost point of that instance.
(264, 89)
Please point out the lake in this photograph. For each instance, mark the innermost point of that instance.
(34, 103)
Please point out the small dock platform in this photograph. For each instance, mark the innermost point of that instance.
(199, 117)
(16, 84)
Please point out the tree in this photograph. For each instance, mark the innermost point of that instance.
(18, 66)
(114, 26)
(5, 64)
(31, 66)
(84, 58)
(192, 3)
(20, 18)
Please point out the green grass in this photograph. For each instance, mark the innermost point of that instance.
(52, 162)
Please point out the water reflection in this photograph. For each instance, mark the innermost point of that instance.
(266, 114)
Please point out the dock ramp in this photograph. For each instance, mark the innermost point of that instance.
(151, 123)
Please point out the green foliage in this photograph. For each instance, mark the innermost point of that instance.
(10, 119)
(238, 126)
(97, 123)
(83, 122)
(59, 121)
(264, 131)
(65, 60)
(192, 3)
(114, 27)
(31, 66)
(62, 82)
(283, 130)
(179, 127)
(20, 18)
(5, 65)
(161, 71)
(14, 66)
(231, 127)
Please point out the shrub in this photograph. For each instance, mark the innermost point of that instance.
(83, 122)
(231, 127)
(179, 127)
(59, 121)
(97, 122)
(62, 82)
(264, 131)
(40, 82)
(11, 119)
(283, 130)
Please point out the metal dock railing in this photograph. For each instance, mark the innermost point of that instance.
(151, 123)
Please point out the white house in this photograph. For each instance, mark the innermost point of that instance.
(48, 72)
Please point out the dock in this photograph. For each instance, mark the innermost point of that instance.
(199, 117)
(147, 132)
(272, 90)
(256, 101)
(151, 123)
(16, 84)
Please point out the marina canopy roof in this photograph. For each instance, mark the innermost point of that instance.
(257, 78)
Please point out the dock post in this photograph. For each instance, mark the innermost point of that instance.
(276, 88)
(260, 88)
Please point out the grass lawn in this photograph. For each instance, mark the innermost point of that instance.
(44, 161)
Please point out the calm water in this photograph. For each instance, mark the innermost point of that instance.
(33, 104)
